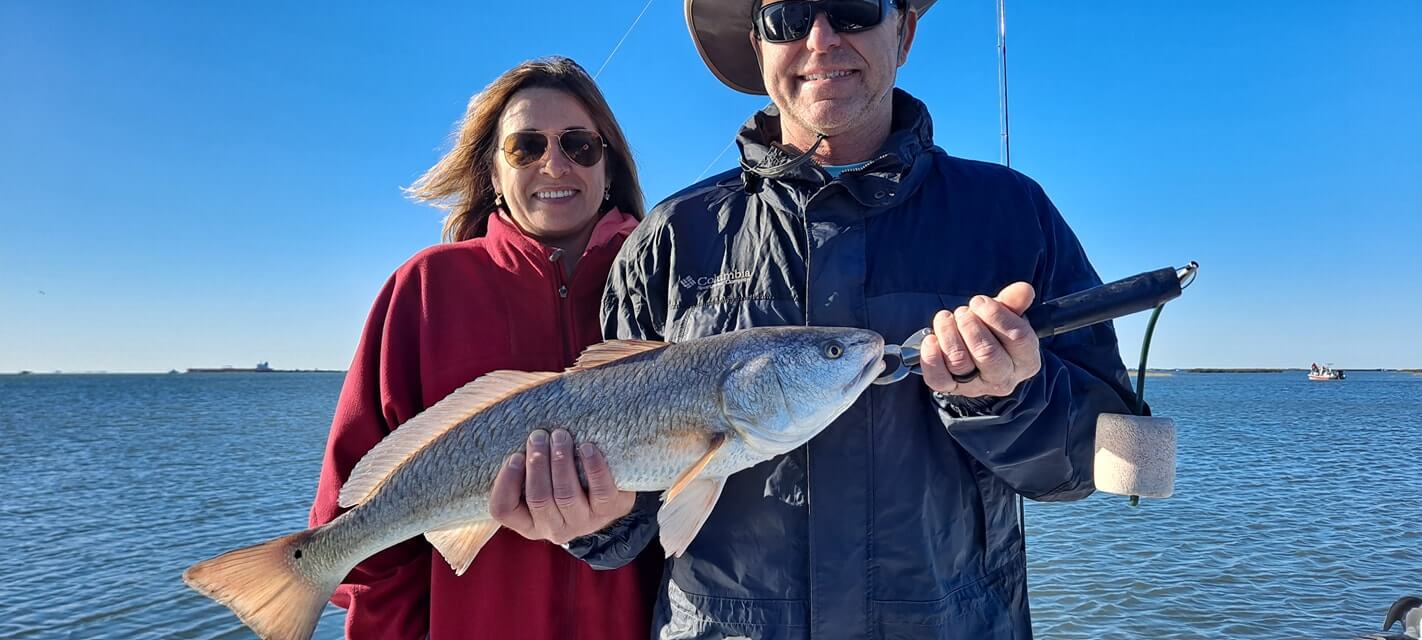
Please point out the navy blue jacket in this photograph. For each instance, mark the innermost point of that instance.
(900, 519)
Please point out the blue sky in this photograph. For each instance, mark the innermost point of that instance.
(206, 184)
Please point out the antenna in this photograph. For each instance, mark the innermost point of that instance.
(1006, 150)
(1006, 154)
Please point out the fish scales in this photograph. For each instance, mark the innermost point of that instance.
(676, 418)
(653, 420)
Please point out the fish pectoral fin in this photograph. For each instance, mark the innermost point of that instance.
(460, 544)
(681, 516)
(694, 470)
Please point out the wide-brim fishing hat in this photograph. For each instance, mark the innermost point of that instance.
(721, 31)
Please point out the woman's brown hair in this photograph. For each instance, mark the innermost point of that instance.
(462, 181)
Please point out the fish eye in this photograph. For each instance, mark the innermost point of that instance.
(833, 350)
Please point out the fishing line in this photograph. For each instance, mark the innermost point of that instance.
(724, 149)
(624, 38)
(714, 160)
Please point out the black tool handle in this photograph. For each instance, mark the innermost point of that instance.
(1104, 302)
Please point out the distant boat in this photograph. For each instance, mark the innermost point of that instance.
(1325, 372)
(261, 367)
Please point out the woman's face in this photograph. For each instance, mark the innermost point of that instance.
(553, 198)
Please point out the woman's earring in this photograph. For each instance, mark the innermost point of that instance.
(607, 193)
(498, 201)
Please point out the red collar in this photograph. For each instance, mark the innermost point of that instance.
(610, 226)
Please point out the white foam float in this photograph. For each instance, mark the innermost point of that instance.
(1135, 455)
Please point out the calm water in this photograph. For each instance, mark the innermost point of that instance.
(1296, 514)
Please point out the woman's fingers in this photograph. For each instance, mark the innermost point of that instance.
(567, 490)
(506, 499)
(538, 487)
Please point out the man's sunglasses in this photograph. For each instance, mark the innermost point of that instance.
(523, 148)
(791, 20)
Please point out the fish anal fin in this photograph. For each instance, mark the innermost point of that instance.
(436, 420)
(681, 517)
(461, 543)
(694, 470)
(613, 350)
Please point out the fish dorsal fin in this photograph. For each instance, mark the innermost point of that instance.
(459, 544)
(680, 519)
(614, 350)
(436, 420)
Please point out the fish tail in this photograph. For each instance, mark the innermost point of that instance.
(266, 586)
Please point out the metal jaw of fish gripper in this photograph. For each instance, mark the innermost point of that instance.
(1067, 313)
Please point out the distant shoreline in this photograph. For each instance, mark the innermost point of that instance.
(163, 373)
(231, 370)
(1131, 370)
(1268, 370)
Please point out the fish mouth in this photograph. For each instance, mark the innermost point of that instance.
(868, 374)
(873, 366)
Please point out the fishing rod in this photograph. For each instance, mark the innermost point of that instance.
(1067, 313)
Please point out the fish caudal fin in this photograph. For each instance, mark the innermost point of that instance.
(264, 585)
(460, 544)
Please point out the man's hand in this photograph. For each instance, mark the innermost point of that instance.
(556, 507)
(988, 336)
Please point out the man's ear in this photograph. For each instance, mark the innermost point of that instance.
(907, 28)
(755, 44)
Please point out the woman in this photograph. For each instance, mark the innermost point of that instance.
(541, 191)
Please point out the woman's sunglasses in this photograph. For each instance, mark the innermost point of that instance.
(791, 20)
(523, 148)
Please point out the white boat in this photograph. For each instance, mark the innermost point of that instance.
(1325, 372)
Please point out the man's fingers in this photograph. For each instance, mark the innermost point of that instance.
(942, 354)
(935, 370)
(567, 491)
(1018, 296)
(994, 364)
(1012, 331)
(538, 483)
(506, 498)
(602, 491)
(950, 342)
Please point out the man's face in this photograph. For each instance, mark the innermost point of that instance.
(830, 82)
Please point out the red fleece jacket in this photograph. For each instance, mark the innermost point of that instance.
(450, 314)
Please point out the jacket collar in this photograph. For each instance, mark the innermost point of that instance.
(612, 227)
(875, 184)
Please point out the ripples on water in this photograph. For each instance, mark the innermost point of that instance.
(115, 484)
(1297, 513)
(1297, 508)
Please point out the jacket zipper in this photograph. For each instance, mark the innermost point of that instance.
(809, 502)
(564, 316)
(565, 328)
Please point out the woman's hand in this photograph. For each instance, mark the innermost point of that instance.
(538, 494)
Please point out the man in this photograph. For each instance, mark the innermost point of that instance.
(900, 519)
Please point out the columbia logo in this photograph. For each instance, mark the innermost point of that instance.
(706, 282)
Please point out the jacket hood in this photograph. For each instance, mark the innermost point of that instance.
(763, 157)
